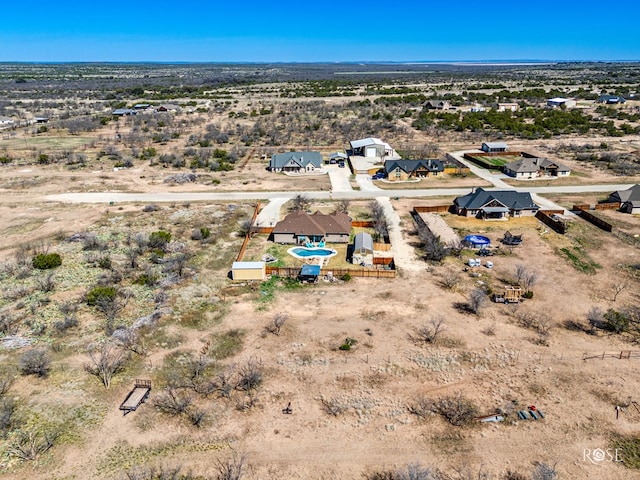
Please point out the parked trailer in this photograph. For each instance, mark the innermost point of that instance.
(510, 295)
(137, 396)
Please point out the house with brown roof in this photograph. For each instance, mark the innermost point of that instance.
(300, 227)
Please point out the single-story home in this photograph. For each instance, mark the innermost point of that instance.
(437, 105)
(559, 102)
(300, 227)
(6, 121)
(629, 199)
(248, 271)
(400, 170)
(123, 112)
(168, 107)
(494, 147)
(610, 99)
(492, 205)
(507, 107)
(295, 162)
(362, 250)
(371, 147)
(524, 168)
(337, 157)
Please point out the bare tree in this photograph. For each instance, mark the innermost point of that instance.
(275, 326)
(544, 471)
(111, 307)
(343, 206)
(250, 375)
(379, 219)
(35, 362)
(30, 444)
(525, 277)
(300, 203)
(172, 401)
(477, 300)
(231, 468)
(595, 317)
(107, 359)
(429, 332)
(618, 288)
(46, 283)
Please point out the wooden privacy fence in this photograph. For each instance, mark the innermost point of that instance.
(381, 247)
(556, 225)
(247, 237)
(607, 206)
(261, 230)
(362, 224)
(597, 206)
(335, 272)
(432, 209)
(591, 218)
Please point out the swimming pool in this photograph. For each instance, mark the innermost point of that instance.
(304, 252)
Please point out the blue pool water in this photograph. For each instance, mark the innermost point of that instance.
(312, 252)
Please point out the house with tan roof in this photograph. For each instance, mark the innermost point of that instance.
(300, 227)
(526, 168)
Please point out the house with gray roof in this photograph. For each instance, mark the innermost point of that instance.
(337, 157)
(527, 168)
(297, 162)
(629, 199)
(495, 205)
(372, 147)
(362, 249)
(494, 147)
(610, 99)
(437, 105)
(401, 170)
(124, 112)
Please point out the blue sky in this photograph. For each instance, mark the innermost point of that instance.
(283, 31)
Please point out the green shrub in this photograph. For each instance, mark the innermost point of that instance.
(206, 233)
(159, 239)
(346, 277)
(95, 294)
(616, 322)
(46, 261)
(527, 294)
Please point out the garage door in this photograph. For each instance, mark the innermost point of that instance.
(371, 152)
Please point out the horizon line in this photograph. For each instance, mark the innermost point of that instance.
(470, 62)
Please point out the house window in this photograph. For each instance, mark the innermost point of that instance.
(398, 173)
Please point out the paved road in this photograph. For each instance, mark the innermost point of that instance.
(106, 197)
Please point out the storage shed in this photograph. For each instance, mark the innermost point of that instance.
(363, 249)
(248, 271)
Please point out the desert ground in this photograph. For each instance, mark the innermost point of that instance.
(223, 375)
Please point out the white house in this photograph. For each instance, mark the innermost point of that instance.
(372, 147)
(559, 102)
